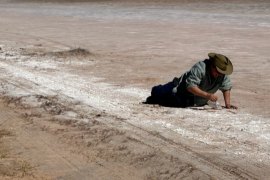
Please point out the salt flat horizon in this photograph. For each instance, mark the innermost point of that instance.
(217, 12)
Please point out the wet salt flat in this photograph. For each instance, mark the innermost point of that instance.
(243, 14)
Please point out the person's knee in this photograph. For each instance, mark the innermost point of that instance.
(156, 90)
(163, 90)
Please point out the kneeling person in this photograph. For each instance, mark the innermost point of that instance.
(198, 85)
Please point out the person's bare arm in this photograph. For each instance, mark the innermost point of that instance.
(198, 92)
(227, 99)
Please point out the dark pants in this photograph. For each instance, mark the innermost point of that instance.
(163, 95)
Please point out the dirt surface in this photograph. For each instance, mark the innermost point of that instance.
(74, 76)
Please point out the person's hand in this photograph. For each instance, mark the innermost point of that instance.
(212, 97)
(231, 107)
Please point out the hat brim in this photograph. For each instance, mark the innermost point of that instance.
(229, 68)
(228, 71)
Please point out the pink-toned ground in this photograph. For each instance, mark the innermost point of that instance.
(77, 114)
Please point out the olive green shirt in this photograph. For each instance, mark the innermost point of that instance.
(200, 75)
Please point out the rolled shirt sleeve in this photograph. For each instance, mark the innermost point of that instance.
(226, 84)
(195, 75)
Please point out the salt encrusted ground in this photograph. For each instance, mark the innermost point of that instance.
(83, 108)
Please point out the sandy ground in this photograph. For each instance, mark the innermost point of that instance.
(74, 76)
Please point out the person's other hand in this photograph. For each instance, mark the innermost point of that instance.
(231, 107)
(212, 97)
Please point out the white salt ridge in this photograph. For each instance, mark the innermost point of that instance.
(87, 91)
(40, 64)
(135, 92)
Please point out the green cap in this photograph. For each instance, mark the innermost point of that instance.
(222, 63)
